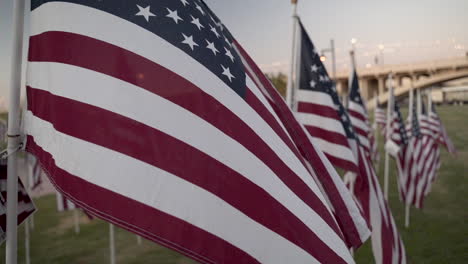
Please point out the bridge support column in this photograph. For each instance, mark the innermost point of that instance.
(364, 87)
(381, 85)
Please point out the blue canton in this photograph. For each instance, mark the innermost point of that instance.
(187, 24)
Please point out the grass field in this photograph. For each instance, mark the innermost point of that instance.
(438, 233)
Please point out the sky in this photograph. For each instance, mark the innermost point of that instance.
(410, 31)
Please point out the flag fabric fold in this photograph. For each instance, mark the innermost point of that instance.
(144, 115)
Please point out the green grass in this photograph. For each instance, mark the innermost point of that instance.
(437, 234)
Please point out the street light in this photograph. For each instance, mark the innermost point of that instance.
(381, 48)
(323, 58)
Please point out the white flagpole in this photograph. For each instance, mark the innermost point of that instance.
(139, 240)
(111, 243)
(387, 133)
(14, 132)
(76, 218)
(290, 87)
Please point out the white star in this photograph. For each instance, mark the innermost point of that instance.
(312, 84)
(213, 29)
(184, 2)
(200, 9)
(197, 23)
(189, 41)
(144, 12)
(227, 41)
(314, 68)
(321, 78)
(212, 47)
(227, 73)
(173, 15)
(229, 54)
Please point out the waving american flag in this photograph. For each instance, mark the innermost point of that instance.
(142, 113)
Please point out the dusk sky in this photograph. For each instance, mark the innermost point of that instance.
(410, 31)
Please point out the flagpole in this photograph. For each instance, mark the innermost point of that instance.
(376, 133)
(76, 219)
(290, 88)
(26, 224)
(138, 239)
(111, 243)
(410, 119)
(387, 134)
(14, 132)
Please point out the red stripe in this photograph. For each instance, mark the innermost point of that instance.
(327, 135)
(139, 218)
(317, 109)
(107, 59)
(335, 138)
(357, 115)
(97, 125)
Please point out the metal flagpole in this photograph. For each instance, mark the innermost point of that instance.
(27, 226)
(410, 119)
(376, 133)
(13, 132)
(290, 87)
(387, 133)
(76, 218)
(111, 243)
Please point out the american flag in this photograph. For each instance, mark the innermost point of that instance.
(428, 156)
(25, 204)
(141, 113)
(443, 139)
(359, 116)
(387, 244)
(399, 136)
(413, 158)
(380, 118)
(320, 110)
(352, 224)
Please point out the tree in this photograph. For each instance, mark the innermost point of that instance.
(280, 81)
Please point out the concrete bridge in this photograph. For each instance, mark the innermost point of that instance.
(374, 81)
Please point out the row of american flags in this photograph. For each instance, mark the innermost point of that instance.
(151, 116)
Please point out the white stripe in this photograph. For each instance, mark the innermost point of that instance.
(155, 188)
(357, 108)
(322, 122)
(256, 91)
(334, 150)
(314, 97)
(364, 141)
(124, 96)
(359, 124)
(66, 17)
